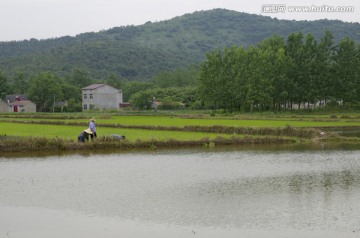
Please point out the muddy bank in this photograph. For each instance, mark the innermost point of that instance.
(22, 144)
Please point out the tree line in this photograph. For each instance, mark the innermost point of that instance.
(276, 74)
(280, 74)
(46, 88)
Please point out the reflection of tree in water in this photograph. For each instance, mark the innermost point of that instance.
(325, 181)
(347, 179)
(330, 189)
(326, 199)
(297, 184)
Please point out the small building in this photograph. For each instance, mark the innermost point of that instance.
(101, 97)
(23, 106)
(19, 103)
(125, 104)
(60, 105)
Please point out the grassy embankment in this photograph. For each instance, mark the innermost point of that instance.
(31, 132)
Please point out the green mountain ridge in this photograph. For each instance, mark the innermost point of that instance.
(140, 52)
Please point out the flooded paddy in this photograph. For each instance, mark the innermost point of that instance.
(256, 192)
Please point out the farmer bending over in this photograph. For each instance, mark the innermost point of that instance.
(84, 135)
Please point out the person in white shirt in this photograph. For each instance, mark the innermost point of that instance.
(92, 127)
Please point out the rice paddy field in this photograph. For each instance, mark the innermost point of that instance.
(171, 126)
(181, 120)
(72, 132)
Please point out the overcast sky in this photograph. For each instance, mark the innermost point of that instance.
(42, 19)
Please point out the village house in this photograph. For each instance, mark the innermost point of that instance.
(17, 103)
(101, 97)
(60, 105)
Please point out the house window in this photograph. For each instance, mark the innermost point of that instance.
(85, 96)
(92, 106)
(91, 96)
(85, 107)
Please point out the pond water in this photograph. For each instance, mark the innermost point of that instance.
(267, 192)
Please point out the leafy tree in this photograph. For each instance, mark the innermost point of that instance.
(296, 67)
(115, 81)
(234, 79)
(170, 98)
(324, 63)
(272, 44)
(177, 78)
(256, 95)
(310, 92)
(274, 74)
(237, 79)
(80, 78)
(219, 77)
(280, 83)
(70, 92)
(20, 84)
(44, 90)
(132, 88)
(142, 100)
(277, 64)
(346, 71)
(74, 106)
(4, 86)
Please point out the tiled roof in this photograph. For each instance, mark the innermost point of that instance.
(60, 104)
(12, 98)
(94, 86)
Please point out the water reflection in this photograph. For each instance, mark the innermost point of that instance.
(247, 189)
(297, 147)
(326, 181)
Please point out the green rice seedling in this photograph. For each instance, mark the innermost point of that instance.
(72, 132)
(170, 121)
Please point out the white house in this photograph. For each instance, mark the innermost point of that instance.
(101, 97)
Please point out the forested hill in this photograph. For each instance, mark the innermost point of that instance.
(139, 52)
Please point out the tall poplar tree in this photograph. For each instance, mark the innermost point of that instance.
(324, 63)
(345, 71)
(295, 71)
